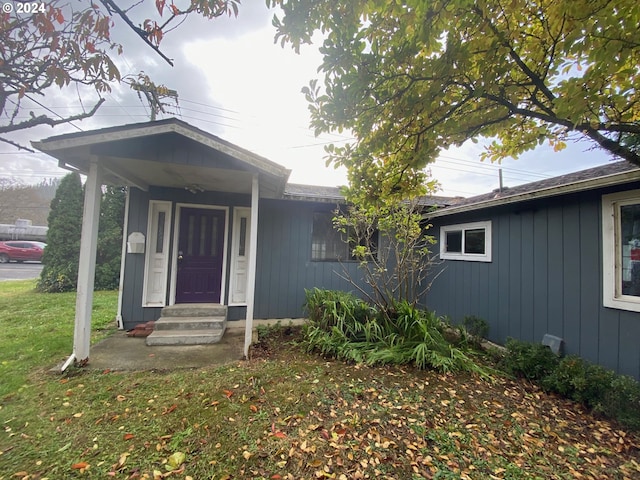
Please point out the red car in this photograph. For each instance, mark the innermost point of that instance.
(20, 251)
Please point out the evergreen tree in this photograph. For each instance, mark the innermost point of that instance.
(110, 238)
(60, 259)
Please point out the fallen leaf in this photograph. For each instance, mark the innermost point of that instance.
(175, 460)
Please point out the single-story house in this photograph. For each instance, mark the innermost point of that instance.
(208, 224)
(558, 256)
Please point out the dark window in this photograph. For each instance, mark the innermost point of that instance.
(474, 241)
(160, 232)
(326, 241)
(329, 244)
(243, 237)
(454, 241)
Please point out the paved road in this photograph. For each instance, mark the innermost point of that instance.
(19, 271)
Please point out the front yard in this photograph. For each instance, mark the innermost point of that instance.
(283, 414)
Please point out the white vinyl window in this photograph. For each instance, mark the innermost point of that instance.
(621, 250)
(466, 241)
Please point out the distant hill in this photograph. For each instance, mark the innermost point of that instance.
(31, 202)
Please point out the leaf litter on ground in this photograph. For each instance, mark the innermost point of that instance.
(287, 414)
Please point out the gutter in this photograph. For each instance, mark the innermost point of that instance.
(601, 182)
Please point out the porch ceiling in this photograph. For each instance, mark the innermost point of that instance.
(167, 153)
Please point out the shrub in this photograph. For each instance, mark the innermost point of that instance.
(327, 308)
(580, 380)
(529, 360)
(344, 327)
(476, 326)
(601, 389)
(622, 401)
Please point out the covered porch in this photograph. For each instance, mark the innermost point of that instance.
(190, 227)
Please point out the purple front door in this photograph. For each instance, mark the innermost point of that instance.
(200, 255)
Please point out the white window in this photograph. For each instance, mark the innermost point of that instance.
(466, 241)
(621, 250)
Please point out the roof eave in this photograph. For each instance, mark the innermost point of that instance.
(70, 141)
(601, 182)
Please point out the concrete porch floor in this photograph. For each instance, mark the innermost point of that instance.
(119, 352)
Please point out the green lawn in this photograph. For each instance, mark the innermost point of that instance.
(283, 414)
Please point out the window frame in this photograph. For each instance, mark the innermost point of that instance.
(463, 227)
(612, 267)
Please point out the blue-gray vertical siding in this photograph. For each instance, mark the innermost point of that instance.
(545, 277)
(284, 268)
(132, 310)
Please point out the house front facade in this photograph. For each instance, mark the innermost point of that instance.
(206, 222)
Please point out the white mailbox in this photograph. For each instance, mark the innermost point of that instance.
(135, 243)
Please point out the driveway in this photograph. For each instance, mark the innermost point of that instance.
(19, 271)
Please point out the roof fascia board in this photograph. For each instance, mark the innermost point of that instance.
(601, 182)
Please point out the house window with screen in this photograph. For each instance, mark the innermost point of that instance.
(328, 244)
(621, 250)
(466, 241)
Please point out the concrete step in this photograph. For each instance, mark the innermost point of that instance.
(184, 337)
(195, 310)
(190, 323)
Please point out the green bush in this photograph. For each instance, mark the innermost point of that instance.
(529, 360)
(344, 327)
(327, 308)
(622, 401)
(601, 389)
(476, 326)
(580, 380)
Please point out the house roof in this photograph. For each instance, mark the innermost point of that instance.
(314, 193)
(614, 173)
(124, 151)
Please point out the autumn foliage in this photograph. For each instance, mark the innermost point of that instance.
(62, 44)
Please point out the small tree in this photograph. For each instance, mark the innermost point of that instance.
(388, 238)
(60, 259)
(110, 238)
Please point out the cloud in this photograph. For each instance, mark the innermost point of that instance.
(233, 81)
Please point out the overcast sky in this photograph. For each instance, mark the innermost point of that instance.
(234, 82)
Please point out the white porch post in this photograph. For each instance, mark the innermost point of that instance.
(87, 262)
(123, 256)
(251, 274)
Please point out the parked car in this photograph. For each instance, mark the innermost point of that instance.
(21, 251)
